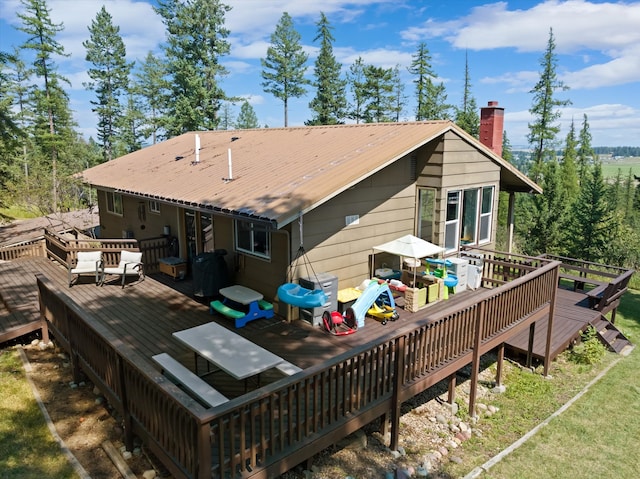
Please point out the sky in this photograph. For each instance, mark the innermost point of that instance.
(597, 50)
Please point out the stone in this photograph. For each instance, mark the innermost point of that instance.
(492, 409)
(441, 419)
(96, 391)
(444, 451)
(73, 386)
(396, 454)
(355, 441)
(463, 426)
(402, 451)
(35, 342)
(456, 459)
(149, 474)
(499, 389)
(99, 400)
(126, 455)
(481, 406)
(454, 428)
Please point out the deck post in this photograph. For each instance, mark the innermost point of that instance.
(452, 389)
(475, 364)
(43, 319)
(532, 333)
(204, 451)
(396, 404)
(126, 417)
(73, 352)
(552, 312)
(499, 361)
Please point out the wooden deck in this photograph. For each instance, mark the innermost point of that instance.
(145, 313)
(572, 315)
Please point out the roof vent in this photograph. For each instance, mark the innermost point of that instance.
(230, 178)
(197, 149)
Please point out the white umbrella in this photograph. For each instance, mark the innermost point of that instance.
(410, 246)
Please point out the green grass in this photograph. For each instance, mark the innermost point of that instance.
(596, 437)
(18, 213)
(610, 168)
(27, 449)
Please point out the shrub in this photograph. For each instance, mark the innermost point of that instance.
(590, 350)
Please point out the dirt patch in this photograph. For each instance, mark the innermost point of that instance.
(430, 429)
(81, 415)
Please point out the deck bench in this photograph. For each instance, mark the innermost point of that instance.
(288, 368)
(582, 280)
(226, 310)
(182, 376)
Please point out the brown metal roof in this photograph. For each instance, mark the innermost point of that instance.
(276, 173)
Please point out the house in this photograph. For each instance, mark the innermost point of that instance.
(338, 191)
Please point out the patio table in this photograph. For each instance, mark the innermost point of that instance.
(228, 351)
(256, 308)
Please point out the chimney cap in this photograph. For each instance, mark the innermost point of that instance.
(492, 103)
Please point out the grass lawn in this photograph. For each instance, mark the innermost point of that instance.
(610, 168)
(27, 449)
(596, 437)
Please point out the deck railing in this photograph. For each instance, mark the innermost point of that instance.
(26, 248)
(270, 430)
(65, 250)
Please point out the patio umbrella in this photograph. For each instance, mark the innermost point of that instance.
(410, 246)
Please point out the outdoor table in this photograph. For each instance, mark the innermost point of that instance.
(241, 295)
(228, 351)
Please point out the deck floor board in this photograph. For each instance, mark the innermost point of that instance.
(145, 313)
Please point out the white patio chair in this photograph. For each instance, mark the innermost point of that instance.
(87, 262)
(130, 265)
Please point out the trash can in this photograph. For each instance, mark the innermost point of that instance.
(210, 273)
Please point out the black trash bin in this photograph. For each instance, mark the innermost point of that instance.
(210, 273)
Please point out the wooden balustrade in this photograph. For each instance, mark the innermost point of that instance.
(27, 248)
(272, 429)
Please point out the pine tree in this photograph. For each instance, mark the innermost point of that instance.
(330, 102)
(543, 130)
(130, 124)
(467, 116)
(568, 170)
(379, 95)
(591, 218)
(110, 77)
(356, 79)
(196, 39)
(247, 118)
(283, 69)
(52, 120)
(399, 98)
(153, 88)
(586, 155)
(421, 67)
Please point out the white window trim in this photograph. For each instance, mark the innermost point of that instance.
(111, 205)
(457, 221)
(488, 215)
(154, 207)
(265, 256)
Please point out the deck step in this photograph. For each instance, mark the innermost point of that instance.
(610, 336)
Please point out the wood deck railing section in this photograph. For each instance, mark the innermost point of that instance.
(268, 431)
(64, 250)
(26, 248)
(604, 284)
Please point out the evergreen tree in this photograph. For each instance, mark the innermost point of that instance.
(586, 155)
(548, 215)
(196, 39)
(357, 80)
(110, 77)
(130, 124)
(421, 67)
(153, 89)
(568, 169)
(591, 219)
(543, 130)
(467, 116)
(52, 119)
(399, 98)
(283, 69)
(330, 102)
(226, 117)
(379, 95)
(247, 118)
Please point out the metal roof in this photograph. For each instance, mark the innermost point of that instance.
(272, 174)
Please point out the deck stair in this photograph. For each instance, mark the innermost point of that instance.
(609, 335)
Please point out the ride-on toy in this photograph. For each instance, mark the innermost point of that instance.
(376, 300)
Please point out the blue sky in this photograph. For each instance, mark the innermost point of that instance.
(597, 47)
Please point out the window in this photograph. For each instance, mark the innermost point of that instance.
(469, 216)
(486, 214)
(452, 222)
(252, 238)
(426, 213)
(114, 203)
(154, 207)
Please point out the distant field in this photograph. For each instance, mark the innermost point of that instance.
(610, 167)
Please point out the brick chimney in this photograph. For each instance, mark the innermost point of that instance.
(492, 126)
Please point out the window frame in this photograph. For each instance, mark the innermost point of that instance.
(154, 207)
(254, 228)
(114, 203)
